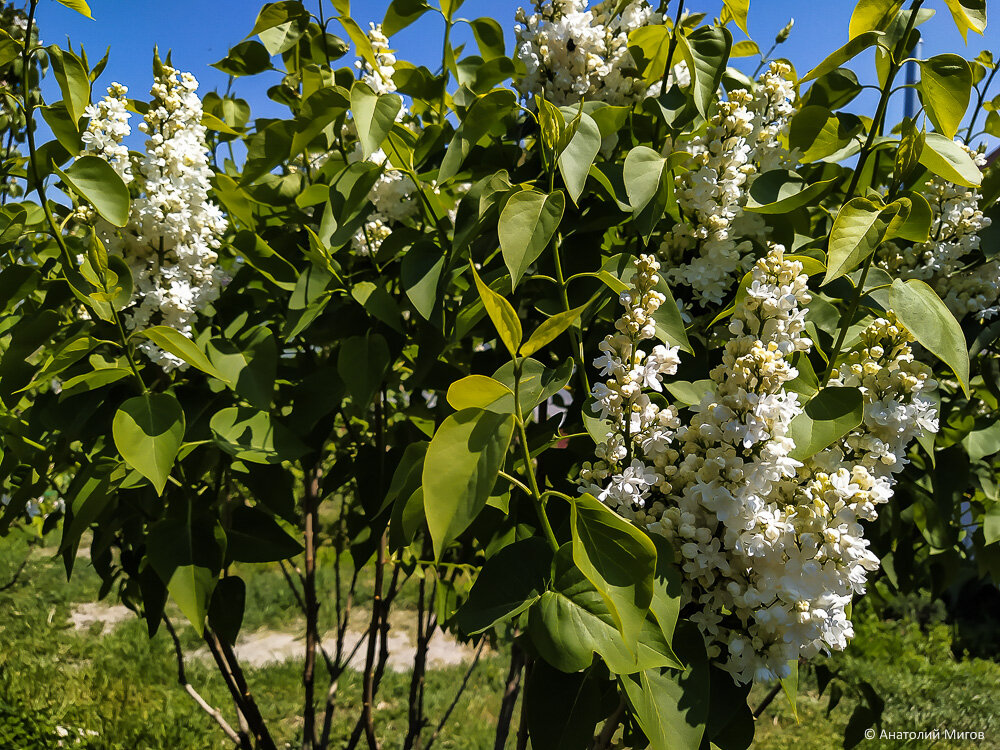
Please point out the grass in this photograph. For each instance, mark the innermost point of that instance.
(122, 686)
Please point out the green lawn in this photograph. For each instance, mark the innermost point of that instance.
(123, 686)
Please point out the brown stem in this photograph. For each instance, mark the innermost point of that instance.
(510, 693)
(416, 719)
(610, 727)
(311, 607)
(241, 739)
(226, 659)
(367, 715)
(17, 574)
(522, 726)
(458, 693)
(767, 701)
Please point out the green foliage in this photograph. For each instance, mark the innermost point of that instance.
(354, 398)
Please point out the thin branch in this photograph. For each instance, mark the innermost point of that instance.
(510, 693)
(767, 701)
(16, 576)
(610, 727)
(458, 694)
(242, 741)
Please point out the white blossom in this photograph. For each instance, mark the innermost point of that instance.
(174, 231)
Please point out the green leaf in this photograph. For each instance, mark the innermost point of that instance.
(654, 41)
(706, 50)
(248, 365)
(187, 556)
(318, 110)
(550, 329)
(916, 226)
(97, 182)
(477, 391)
(401, 13)
(254, 536)
(873, 15)
(508, 583)
(790, 686)
(571, 623)
(927, 318)
(849, 51)
(460, 469)
(578, 156)
(66, 131)
(780, 191)
(618, 559)
(252, 435)
(374, 115)
(489, 37)
(363, 363)
(991, 526)
(502, 314)
(860, 227)
(982, 443)
(226, 609)
(827, 417)
(687, 393)
(73, 81)
(419, 273)
(148, 431)
(945, 87)
(911, 143)
(745, 48)
(644, 169)
(949, 160)
(968, 14)
(823, 135)
(527, 224)
(564, 709)
(173, 341)
(247, 58)
(485, 114)
(280, 25)
(80, 6)
(671, 707)
(738, 9)
(537, 383)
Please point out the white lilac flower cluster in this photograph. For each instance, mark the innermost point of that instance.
(742, 141)
(379, 78)
(771, 549)
(639, 448)
(572, 53)
(950, 261)
(174, 232)
(393, 198)
(107, 129)
(38, 509)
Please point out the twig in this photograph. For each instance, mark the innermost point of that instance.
(510, 693)
(310, 608)
(522, 726)
(767, 701)
(225, 657)
(16, 576)
(458, 694)
(610, 727)
(242, 741)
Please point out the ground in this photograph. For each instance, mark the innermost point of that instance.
(89, 671)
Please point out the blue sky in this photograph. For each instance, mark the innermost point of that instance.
(200, 32)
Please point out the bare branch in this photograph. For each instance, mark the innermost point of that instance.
(242, 741)
(16, 576)
(458, 695)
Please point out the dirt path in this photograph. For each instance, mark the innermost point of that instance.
(262, 647)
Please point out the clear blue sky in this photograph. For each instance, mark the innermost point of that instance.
(200, 32)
